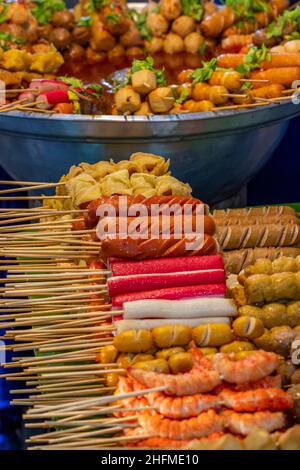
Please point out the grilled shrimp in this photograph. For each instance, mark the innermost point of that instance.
(253, 368)
(183, 407)
(201, 426)
(262, 399)
(244, 423)
(200, 379)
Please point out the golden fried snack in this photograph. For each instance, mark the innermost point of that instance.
(248, 327)
(232, 237)
(237, 260)
(266, 266)
(171, 335)
(117, 182)
(261, 288)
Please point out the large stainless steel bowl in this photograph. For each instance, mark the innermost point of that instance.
(217, 153)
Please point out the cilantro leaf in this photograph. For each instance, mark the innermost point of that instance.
(44, 9)
(140, 19)
(94, 87)
(184, 95)
(3, 14)
(96, 5)
(203, 74)
(72, 81)
(276, 28)
(112, 17)
(254, 58)
(192, 8)
(85, 21)
(148, 64)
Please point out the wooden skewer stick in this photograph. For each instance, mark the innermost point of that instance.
(31, 187)
(31, 198)
(98, 401)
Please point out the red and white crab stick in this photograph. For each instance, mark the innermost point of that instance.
(172, 293)
(123, 267)
(142, 282)
(191, 308)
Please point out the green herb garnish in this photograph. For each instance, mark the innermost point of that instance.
(96, 5)
(148, 64)
(44, 9)
(3, 14)
(184, 95)
(94, 87)
(140, 19)
(203, 74)
(254, 58)
(85, 21)
(112, 17)
(7, 38)
(72, 81)
(276, 28)
(202, 48)
(192, 8)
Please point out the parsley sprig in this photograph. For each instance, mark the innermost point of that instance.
(203, 74)
(96, 5)
(72, 81)
(254, 58)
(3, 13)
(140, 19)
(276, 28)
(246, 9)
(184, 95)
(44, 9)
(85, 21)
(148, 64)
(6, 38)
(192, 8)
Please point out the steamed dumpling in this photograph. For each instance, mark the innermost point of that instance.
(150, 163)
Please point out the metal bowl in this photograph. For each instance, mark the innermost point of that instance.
(217, 153)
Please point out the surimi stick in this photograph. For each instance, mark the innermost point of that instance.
(172, 293)
(122, 267)
(192, 308)
(124, 325)
(142, 282)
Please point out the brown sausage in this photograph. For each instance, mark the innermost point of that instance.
(214, 24)
(155, 248)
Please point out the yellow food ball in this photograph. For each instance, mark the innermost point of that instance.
(180, 362)
(213, 334)
(248, 327)
(237, 346)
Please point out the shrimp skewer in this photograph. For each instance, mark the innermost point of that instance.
(201, 426)
(270, 399)
(200, 379)
(244, 423)
(183, 407)
(251, 369)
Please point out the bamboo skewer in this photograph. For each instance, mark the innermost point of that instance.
(31, 187)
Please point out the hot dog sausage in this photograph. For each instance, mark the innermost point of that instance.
(156, 248)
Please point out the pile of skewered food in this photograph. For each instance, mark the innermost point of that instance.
(137, 341)
(240, 54)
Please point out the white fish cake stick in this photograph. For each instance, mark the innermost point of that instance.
(189, 308)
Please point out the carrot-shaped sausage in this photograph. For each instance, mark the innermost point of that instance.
(284, 75)
(64, 108)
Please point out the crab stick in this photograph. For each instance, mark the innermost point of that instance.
(123, 325)
(122, 267)
(43, 85)
(172, 293)
(142, 282)
(51, 98)
(191, 308)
